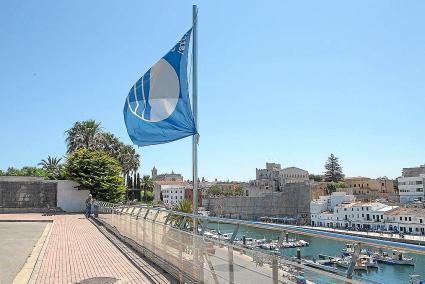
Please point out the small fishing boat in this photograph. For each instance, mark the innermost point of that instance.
(368, 261)
(345, 262)
(396, 258)
(348, 250)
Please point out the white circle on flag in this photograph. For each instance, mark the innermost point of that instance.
(164, 91)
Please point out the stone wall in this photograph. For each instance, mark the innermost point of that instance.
(27, 192)
(34, 194)
(292, 201)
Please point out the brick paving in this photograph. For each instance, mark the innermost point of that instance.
(77, 250)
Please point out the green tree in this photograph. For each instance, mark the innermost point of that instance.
(109, 143)
(85, 134)
(184, 206)
(11, 171)
(146, 185)
(330, 187)
(25, 171)
(315, 177)
(98, 172)
(33, 172)
(238, 191)
(333, 170)
(215, 190)
(52, 167)
(128, 159)
(89, 134)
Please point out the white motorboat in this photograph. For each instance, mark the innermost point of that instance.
(397, 258)
(368, 261)
(345, 262)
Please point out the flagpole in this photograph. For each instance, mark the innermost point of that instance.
(195, 111)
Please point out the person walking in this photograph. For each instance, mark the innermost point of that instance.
(89, 202)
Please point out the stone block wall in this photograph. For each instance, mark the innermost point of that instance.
(27, 192)
(292, 201)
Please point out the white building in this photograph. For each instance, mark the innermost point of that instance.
(366, 216)
(328, 202)
(172, 194)
(407, 220)
(411, 188)
(360, 215)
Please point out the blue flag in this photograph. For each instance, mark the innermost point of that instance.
(157, 109)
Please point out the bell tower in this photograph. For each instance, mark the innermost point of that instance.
(154, 173)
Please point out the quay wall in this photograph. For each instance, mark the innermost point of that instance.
(292, 201)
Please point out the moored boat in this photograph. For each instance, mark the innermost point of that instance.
(396, 258)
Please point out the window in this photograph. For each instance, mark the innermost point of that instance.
(401, 218)
(420, 221)
(410, 218)
(405, 218)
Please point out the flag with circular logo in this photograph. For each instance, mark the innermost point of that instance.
(157, 109)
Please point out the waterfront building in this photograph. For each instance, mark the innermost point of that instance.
(365, 188)
(406, 219)
(351, 214)
(328, 202)
(411, 188)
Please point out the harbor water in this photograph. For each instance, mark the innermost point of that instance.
(385, 273)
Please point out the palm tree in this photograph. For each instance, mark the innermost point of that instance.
(128, 158)
(147, 185)
(51, 166)
(83, 134)
(109, 143)
(184, 206)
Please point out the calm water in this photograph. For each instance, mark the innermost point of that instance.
(384, 274)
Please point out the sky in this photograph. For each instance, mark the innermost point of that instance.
(283, 81)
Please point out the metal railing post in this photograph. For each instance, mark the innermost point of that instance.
(231, 268)
(275, 269)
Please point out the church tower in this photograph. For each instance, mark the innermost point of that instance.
(154, 173)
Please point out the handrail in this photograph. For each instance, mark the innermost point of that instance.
(418, 249)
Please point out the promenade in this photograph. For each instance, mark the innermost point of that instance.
(412, 239)
(75, 251)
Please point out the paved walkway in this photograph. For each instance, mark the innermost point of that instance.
(386, 236)
(77, 250)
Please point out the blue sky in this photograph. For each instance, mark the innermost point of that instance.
(285, 81)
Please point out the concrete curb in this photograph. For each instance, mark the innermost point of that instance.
(29, 271)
